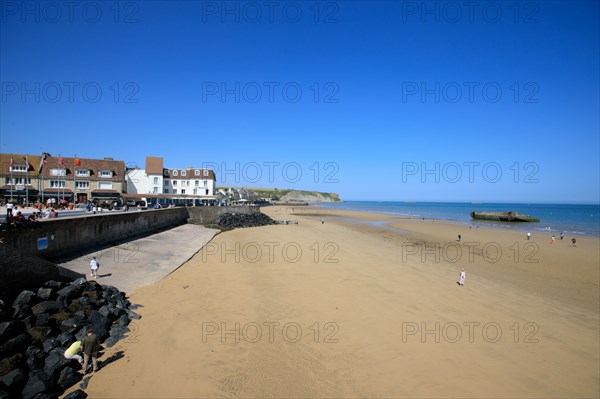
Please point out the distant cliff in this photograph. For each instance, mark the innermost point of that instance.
(309, 196)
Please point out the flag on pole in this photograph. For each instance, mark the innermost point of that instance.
(77, 161)
(11, 163)
(61, 161)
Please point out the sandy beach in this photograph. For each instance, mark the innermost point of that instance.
(365, 305)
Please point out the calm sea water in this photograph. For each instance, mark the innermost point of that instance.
(571, 219)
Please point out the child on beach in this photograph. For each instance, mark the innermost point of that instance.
(553, 241)
(94, 265)
(461, 278)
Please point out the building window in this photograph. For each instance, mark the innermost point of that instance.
(18, 168)
(205, 183)
(195, 191)
(18, 180)
(183, 173)
(57, 172)
(205, 172)
(155, 190)
(106, 173)
(197, 172)
(105, 185)
(182, 191)
(156, 180)
(175, 173)
(166, 191)
(82, 185)
(174, 191)
(166, 182)
(82, 172)
(57, 183)
(174, 183)
(197, 183)
(207, 191)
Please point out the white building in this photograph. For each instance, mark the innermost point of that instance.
(189, 183)
(149, 180)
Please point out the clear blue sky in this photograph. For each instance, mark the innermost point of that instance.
(379, 85)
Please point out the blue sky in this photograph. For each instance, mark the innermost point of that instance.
(498, 101)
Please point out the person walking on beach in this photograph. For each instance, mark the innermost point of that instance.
(94, 265)
(90, 349)
(573, 240)
(461, 278)
(73, 351)
(459, 237)
(553, 241)
(528, 236)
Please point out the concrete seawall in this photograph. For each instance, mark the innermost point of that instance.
(24, 254)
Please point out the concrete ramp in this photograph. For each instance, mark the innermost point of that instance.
(147, 260)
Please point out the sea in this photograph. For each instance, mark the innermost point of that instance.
(571, 219)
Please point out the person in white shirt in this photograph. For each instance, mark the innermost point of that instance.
(9, 209)
(94, 265)
(461, 279)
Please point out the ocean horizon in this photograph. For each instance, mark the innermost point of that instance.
(571, 219)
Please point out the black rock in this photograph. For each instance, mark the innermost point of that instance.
(14, 381)
(49, 307)
(4, 395)
(46, 395)
(117, 333)
(65, 339)
(78, 394)
(3, 312)
(10, 329)
(80, 282)
(29, 321)
(42, 319)
(39, 334)
(50, 344)
(123, 320)
(68, 377)
(63, 301)
(85, 301)
(99, 323)
(37, 382)
(26, 297)
(45, 293)
(21, 312)
(35, 357)
(73, 324)
(14, 345)
(55, 362)
(70, 291)
(16, 361)
(104, 311)
(133, 315)
(54, 284)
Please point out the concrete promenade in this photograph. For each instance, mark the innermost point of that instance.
(147, 260)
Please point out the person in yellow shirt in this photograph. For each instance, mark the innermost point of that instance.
(73, 351)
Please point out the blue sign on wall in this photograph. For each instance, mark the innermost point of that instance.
(42, 243)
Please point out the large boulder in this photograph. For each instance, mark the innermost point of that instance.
(69, 292)
(35, 357)
(42, 320)
(26, 297)
(45, 294)
(49, 307)
(39, 334)
(10, 329)
(14, 345)
(37, 383)
(68, 377)
(21, 311)
(78, 394)
(14, 381)
(54, 363)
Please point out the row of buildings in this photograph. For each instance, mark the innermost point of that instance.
(33, 178)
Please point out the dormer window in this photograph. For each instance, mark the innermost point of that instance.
(197, 172)
(82, 172)
(106, 173)
(57, 172)
(205, 172)
(18, 168)
(183, 173)
(175, 173)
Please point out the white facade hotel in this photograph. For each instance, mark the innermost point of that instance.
(175, 183)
